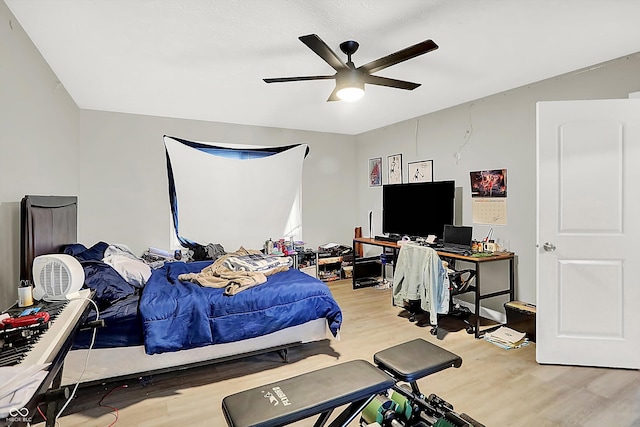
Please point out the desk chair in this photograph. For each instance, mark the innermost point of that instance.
(460, 282)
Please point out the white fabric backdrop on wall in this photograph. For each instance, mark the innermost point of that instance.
(237, 202)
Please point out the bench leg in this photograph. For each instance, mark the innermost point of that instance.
(351, 412)
(323, 418)
(415, 388)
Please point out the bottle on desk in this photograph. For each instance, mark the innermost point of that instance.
(25, 294)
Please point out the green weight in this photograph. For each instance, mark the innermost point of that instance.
(374, 411)
(403, 406)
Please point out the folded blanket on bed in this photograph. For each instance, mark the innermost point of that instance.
(256, 262)
(224, 272)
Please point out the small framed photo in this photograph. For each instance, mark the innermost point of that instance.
(375, 172)
(421, 171)
(394, 169)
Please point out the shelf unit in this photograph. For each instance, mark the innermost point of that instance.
(308, 263)
(329, 268)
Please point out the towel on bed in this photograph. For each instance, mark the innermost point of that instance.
(234, 271)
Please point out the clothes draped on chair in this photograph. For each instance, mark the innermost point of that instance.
(420, 275)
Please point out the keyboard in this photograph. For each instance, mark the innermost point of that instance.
(388, 238)
(453, 250)
(41, 343)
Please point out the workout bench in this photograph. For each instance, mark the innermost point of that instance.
(363, 387)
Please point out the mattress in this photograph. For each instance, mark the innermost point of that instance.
(104, 364)
(122, 326)
(179, 315)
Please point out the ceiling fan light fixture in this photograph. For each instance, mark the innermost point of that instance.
(350, 93)
(350, 86)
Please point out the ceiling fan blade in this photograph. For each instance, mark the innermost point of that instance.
(296, 79)
(385, 81)
(399, 56)
(333, 96)
(321, 49)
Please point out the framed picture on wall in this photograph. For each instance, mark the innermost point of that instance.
(421, 171)
(375, 172)
(394, 169)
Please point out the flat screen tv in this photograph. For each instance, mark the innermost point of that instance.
(418, 209)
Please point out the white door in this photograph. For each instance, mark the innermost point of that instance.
(588, 202)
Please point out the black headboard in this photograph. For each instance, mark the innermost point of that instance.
(46, 224)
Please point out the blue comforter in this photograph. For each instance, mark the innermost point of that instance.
(180, 315)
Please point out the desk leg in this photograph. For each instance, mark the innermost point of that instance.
(477, 305)
(511, 292)
(512, 280)
(353, 272)
(396, 252)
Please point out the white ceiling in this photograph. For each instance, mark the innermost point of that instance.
(205, 59)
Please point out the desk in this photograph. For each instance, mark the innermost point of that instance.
(477, 290)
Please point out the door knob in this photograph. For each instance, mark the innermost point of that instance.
(549, 247)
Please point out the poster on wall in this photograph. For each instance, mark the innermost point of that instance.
(490, 183)
(489, 196)
(421, 171)
(375, 172)
(394, 168)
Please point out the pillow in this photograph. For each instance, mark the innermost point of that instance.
(81, 253)
(133, 271)
(73, 249)
(109, 285)
(106, 281)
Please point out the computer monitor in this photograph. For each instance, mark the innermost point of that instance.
(418, 209)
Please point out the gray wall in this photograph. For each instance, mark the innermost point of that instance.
(495, 132)
(38, 141)
(123, 183)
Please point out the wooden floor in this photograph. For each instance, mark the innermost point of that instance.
(495, 386)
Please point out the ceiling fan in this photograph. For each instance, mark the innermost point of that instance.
(350, 80)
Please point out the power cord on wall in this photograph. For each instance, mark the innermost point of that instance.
(467, 136)
(415, 136)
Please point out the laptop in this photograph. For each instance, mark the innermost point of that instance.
(457, 238)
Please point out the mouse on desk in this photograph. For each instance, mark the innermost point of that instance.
(466, 253)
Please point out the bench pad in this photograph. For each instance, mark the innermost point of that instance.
(284, 402)
(415, 359)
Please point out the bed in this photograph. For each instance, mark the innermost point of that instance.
(165, 322)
